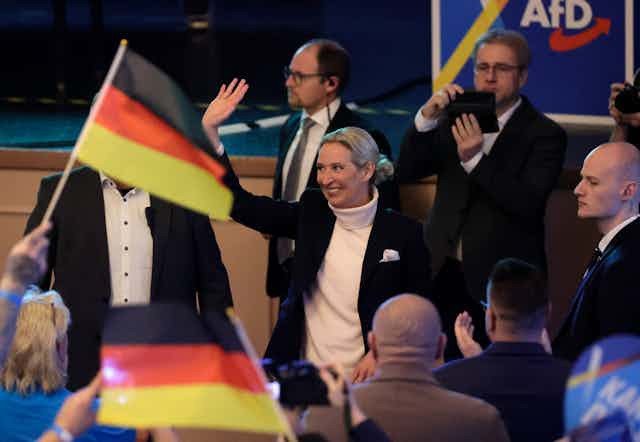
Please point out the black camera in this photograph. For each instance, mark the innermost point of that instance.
(628, 100)
(296, 383)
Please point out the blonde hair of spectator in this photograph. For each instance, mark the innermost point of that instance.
(35, 359)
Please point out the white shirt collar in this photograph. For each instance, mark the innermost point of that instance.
(320, 117)
(606, 239)
(504, 118)
(106, 181)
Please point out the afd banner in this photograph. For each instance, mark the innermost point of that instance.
(579, 47)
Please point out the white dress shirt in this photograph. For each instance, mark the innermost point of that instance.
(606, 239)
(316, 132)
(130, 244)
(426, 124)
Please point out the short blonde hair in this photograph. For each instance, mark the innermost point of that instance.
(33, 359)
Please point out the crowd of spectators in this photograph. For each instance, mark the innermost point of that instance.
(360, 293)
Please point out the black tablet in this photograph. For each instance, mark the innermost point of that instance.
(480, 104)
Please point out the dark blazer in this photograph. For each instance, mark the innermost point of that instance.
(521, 380)
(186, 260)
(278, 276)
(607, 300)
(498, 209)
(310, 222)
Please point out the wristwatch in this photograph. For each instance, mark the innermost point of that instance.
(62, 434)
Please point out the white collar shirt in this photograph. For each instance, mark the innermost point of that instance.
(129, 242)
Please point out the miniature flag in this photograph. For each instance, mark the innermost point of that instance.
(145, 132)
(162, 365)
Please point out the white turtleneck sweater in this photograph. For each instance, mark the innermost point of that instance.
(332, 327)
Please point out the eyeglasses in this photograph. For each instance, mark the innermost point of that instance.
(299, 77)
(498, 68)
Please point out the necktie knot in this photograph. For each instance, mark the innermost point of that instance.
(307, 123)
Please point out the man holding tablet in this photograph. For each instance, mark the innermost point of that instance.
(492, 187)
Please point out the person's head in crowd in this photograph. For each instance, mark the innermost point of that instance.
(517, 302)
(407, 328)
(346, 167)
(37, 358)
(318, 73)
(608, 189)
(501, 62)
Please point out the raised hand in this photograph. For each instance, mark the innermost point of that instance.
(468, 135)
(225, 103)
(463, 329)
(440, 100)
(27, 261)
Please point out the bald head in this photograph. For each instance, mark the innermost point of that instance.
(608, 191)
(618, 157)
(406, 325)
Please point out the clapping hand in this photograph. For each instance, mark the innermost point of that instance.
(463, 329)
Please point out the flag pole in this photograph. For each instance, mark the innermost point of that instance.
(115, 64)
(248, 348)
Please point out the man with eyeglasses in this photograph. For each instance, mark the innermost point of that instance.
(315, 80)
(492, 188)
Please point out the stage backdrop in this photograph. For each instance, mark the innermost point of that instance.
(578, 48)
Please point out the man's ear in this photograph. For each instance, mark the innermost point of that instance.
(373, 345)
(490, 320)
(522, 77)
(332, 82)
(629, 191)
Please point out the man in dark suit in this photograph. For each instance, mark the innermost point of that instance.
(607, 301)
(403, 397)
(515, 373)
(492, 188)
(112, 245)
(315, 80)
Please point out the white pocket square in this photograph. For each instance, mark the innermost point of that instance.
(390, 255)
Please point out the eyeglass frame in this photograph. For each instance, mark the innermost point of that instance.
(498, 68)
(299, 77)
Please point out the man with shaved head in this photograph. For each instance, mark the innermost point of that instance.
(403, 397)
(607, 300)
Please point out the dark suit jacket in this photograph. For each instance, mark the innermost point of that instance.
(521, 380)
(186, 260)
(498, 209)
(278, 276)
(310, 222)
(607, 300)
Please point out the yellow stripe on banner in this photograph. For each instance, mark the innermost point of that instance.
(158, 173)
(464, 49)
(194, 405)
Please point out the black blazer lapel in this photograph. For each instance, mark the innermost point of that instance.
(159, 218)
(375, 246)
(90, 193)
(512, 131)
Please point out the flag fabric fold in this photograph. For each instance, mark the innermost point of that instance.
(145, 132)
(163, 365)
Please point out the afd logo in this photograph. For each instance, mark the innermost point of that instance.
(562, 15)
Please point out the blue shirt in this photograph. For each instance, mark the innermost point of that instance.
(25, 418)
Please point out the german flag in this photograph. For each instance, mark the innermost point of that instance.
(145, 132)
(163, 365)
